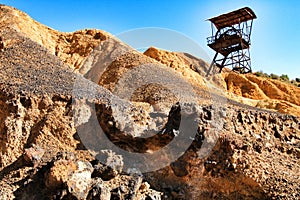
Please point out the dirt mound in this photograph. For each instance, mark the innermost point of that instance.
(268, 93)
(247, 89)
(120, 66)
(193, 70)
(133, 76)
(72, 48)
(181, 63)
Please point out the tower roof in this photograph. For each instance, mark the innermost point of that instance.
(232, 18)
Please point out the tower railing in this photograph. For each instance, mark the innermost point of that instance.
(230, 40)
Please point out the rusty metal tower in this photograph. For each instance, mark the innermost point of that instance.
(231, 40)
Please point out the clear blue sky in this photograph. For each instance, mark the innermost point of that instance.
(275, 39)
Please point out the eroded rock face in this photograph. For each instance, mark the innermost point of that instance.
(42, 155)
(31, 123)
(266, 93)
(248, 161)
(250, 150)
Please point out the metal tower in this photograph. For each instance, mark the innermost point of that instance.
(231, 40)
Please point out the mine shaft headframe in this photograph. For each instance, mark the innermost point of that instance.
(230, 40)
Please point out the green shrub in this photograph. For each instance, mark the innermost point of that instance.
(274, 76)
(284, 77)
(259, 73)
(267, 75)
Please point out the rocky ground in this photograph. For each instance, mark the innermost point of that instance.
(84, 116)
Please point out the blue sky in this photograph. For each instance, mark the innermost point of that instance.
(275, 38)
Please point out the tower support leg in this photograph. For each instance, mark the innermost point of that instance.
(222, 64)
(211, 67)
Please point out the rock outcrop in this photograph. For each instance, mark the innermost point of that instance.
(264, 92)
(256, 156)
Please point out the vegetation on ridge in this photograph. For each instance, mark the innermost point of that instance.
(283, 77)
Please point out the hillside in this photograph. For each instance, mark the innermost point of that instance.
(248, 89)
(72, 48)
(85, 116)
